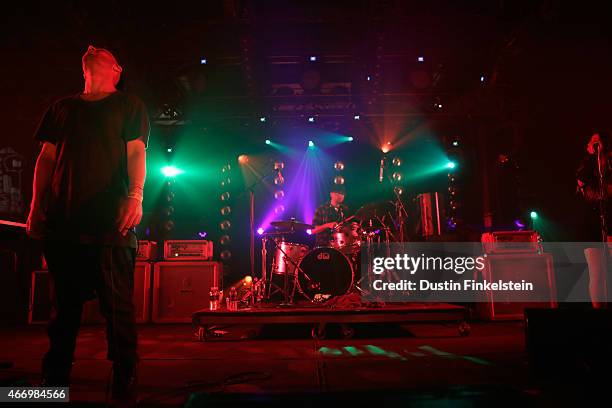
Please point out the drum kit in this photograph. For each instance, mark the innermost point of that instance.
(323, 272)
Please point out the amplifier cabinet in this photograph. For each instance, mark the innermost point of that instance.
(147, 251)
(536, 268)
(41, 298)
(181, 288)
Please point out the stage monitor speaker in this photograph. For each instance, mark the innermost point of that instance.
(536, 268)
(181, 288)
(41, 295)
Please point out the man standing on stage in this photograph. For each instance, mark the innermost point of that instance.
(594, 184)
(328, 215)
(87, 199)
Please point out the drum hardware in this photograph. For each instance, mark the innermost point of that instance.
(286, 259)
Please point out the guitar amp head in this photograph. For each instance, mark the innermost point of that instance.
(188, 250)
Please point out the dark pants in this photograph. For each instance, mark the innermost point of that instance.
(80, 272)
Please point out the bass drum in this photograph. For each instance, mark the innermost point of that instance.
(326, 272)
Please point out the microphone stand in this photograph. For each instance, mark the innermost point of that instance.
(251, 190)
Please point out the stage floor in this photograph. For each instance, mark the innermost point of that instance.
(427, 364)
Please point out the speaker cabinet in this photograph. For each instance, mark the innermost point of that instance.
(532, 267)
(181, 288)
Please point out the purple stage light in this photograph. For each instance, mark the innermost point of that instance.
(519, 224)
(309, 231)
(260, 231)
(301, 191)
(202, 234)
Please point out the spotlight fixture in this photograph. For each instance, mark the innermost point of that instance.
(225, 225)
(533, 215)
(279, 165)
(203, 61)
(455, 143)
(482, 78)
(451, 165)
(171, 171)
(397, 161)
(260, 231)
(368, 78)
(243, 159)
(357, 117)
(312, 58)
(339, 165)
(421, 59)
(350, 138)
(310, 143)
(311, 119)
(262, 119)
(169, 150)
(268, 141)
(386, 148)
(339, 180)
(279, 195)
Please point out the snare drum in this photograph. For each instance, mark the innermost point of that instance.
(285, 250)
(348, 239)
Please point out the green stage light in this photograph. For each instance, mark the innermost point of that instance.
(310, 143)
(533, 215)
(171, 171)
(350, 138)
(451, 165)
(268, 141)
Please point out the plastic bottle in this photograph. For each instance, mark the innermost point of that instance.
(232, 300)
(214, 298)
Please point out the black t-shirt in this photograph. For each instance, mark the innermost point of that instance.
(91, 178)
(588, 175)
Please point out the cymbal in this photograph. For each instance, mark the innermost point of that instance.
(375, 209)
(291, 225)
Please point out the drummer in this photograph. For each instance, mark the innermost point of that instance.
(328, 215)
